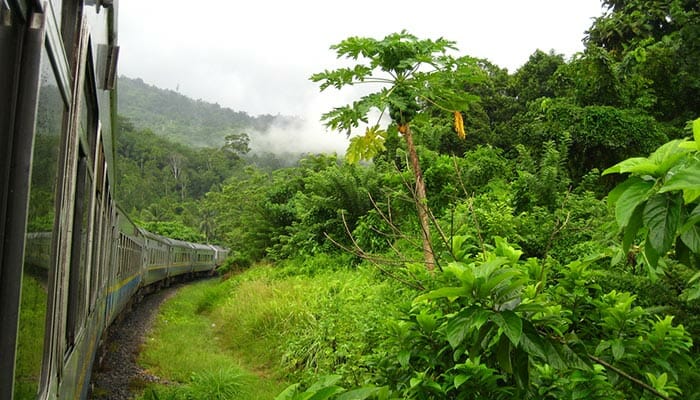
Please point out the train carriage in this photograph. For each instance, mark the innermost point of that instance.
(157, 255)
(70, 259)
(203, 258)
(220, 254)
(180, 259)
(125, 278)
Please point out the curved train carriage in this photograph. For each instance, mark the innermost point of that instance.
(71, 260)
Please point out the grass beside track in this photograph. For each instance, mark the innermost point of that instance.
(185, 349)
(250, 336)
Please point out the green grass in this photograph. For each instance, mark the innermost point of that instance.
(183, 348)
(268, 327)
(301, 326)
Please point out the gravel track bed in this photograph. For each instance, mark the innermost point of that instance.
(113, 378)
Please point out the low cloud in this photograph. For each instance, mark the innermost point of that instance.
(296, 137)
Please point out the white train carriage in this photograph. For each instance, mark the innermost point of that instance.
(156, 254)
(180, 257)
(203, 258)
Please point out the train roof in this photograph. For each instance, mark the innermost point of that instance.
(200, 246)
(179, 243)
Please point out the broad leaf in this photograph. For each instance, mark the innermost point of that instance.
(617, 191)
(289, 392)
(638, 165)
(458, 326)
(359, 394)
(685, 179)
(503, 249)
(449, 292)
(635, 193)
(426, 320)
(326, 393)
(469, 319)
(662, 216)
(511, 324)
(532, 342)
(632, 228)
(693, 292)
(324, 382)
(665, 157)
(404, 358)
(495, 280)
(618, 348)
(692, 219)
(460, 379)
(651, 258)
(503, 353)
(691, 238)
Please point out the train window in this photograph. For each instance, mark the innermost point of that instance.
(88, 101)
(100, 220)
(39, 238)
(77, 277)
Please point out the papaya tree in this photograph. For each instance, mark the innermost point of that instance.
(414, 75)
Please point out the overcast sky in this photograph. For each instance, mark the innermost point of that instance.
(256, 55)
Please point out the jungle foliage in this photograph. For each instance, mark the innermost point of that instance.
(565, 226)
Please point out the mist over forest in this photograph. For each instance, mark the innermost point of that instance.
(199, 123)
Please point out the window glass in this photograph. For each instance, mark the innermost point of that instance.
(38, 248)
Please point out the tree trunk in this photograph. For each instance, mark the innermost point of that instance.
(420, 198)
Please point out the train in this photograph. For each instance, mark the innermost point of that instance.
(71, 261)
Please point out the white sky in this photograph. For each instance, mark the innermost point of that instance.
(256, 55)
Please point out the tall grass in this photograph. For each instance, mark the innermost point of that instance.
(184, 348)
(302, 326)
(256, 331)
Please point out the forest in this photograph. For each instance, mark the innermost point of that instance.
(533, 234)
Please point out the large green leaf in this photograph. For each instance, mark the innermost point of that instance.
(495, 280)
(662, 217)
(510, 323)
(325, 393)
(469, 319)
(449, 292)
(632, 228)
(657, 164)
(615, 194)
(691, 238)
(360, 394)
(692, 219)
(289, 392)
(462, 272)
(532, 342)
(426, 320)
(666, 156)
(652, 259)
(638, 165)
(503, 353)
(635, 193)
(686, 179)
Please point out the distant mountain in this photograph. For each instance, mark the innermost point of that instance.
(180, 118)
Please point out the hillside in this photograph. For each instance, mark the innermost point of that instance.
(193, 122)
